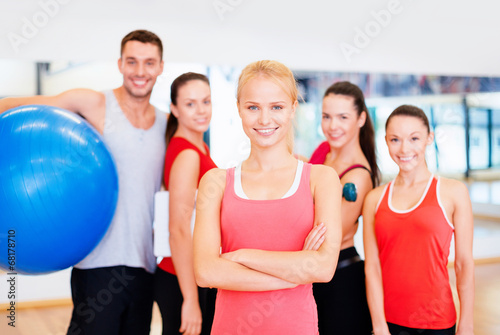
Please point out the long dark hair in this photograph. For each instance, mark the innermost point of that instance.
(367, 132)
(180, 81)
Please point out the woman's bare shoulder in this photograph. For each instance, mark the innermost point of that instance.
(215, 175)
(320, 171)
(452, 188)
(374, 195)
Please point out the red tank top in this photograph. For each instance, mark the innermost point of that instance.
(279, 225)
(175, 147)
(319, 154)
(319, 157)
(414, 245)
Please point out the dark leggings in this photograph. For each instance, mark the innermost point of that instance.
(400, 330)
(342, 305)
(168, 296)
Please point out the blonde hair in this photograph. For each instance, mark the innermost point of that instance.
(280, 75)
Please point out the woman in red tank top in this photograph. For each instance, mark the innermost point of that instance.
(184, 307)
(408, 226)
(263, 248)
(350, 149)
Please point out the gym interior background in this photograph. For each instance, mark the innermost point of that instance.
(438, 56)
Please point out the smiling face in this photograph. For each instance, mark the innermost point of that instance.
(140, 65)
(340, 121)
(407, 138)
(266, 111)
(193, 107)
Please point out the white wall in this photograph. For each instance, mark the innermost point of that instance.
(17, 78)
(455, 37)
(52, 286)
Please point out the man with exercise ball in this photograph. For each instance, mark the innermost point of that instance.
(112, 288)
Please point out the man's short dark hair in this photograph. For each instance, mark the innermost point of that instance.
(143, 36)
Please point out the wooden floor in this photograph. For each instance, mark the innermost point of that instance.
(55, 320)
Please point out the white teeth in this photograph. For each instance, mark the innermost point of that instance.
(139, 82)
(405, 159)
(265, 131)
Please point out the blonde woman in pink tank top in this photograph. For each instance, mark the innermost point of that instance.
(266, 230)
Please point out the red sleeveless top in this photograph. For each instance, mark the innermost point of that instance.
(278, 225)
(319, 154)
(174, 148)
(319, 157)
(414, 245)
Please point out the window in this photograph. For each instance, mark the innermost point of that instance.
(495, 138)
(448, 121)
(479, 145)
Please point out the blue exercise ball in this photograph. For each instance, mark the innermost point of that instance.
(58, 189)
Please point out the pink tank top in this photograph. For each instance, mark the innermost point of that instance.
(414, 245)
(278, 225)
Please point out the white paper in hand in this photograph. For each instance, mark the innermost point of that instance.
(160, 224)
